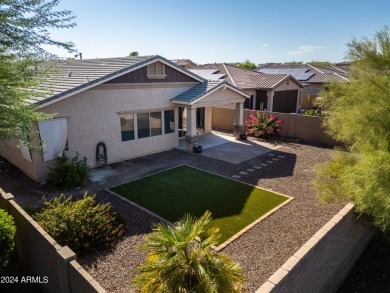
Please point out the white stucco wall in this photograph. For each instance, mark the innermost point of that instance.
(221, 96)
(9, 150)
(287, 87)
(93, 116)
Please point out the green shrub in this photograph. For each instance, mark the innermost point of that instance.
(313, 112)
(7, 242)
(84, 225)
(68, 173)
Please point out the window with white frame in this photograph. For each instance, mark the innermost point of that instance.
(143, 125)
(169, 121)
(156, 70)
(155, 123)
(127, 127)
(147, 124)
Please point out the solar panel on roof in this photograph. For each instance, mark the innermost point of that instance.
(297, 73)
(264, 70)
(298, 70)
(303, 76)
(284, 70)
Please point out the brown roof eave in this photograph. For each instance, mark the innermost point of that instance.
(257, 88)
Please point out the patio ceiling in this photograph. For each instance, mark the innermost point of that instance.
(211, 93)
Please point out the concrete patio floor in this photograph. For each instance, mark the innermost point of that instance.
(225, 147)
(209, 140)
(260, 251)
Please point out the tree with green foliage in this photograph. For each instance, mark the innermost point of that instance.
(7, 239)
(360, 118)
(319, 63)
(24, 32)
(133, 54)
(247, 65)
(294, 62)
(181, 259)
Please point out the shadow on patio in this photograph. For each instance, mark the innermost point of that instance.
(225, 147)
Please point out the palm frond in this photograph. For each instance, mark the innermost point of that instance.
(180, 260)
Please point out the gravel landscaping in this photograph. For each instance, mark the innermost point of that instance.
(260, 251)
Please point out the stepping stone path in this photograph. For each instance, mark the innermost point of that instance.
(243, 173)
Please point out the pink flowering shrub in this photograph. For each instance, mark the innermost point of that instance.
(261, 125)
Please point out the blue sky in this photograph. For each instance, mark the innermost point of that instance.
(222, 31)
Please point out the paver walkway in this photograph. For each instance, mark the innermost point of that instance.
(260, 251)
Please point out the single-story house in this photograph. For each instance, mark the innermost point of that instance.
(314, 78)
(273, 92)
(186, 63)
(134, 105)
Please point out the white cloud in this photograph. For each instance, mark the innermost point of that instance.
(305, 49)
(265, 45)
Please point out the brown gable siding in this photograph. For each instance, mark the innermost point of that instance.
(140, 76)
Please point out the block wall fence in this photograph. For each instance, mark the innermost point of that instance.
(42, 256)
(325, 260)
(320, 265)
(307, 128)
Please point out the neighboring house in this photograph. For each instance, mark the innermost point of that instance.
(186, 63)
(314, 78)
(135, 105)
(275, 93)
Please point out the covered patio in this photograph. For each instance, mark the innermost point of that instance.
(206, 95)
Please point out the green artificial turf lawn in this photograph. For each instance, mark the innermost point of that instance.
(181, 190)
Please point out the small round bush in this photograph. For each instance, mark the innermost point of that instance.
(84, 225)
(7, 242)
(68, 172)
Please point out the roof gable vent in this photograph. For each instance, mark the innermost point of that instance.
(156, 70)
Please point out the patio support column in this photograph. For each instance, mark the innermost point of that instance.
(299, 101)
(191, 135)
(238, 126)
(270, 101)
(208, 113)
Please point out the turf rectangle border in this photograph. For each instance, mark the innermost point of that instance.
(229, 240)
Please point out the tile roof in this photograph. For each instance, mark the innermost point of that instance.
(73, 76)
(247, 79)
(201, 90)
(187, 63)
(322, 74)
(209, 74)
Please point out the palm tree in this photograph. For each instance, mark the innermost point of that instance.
(180, 259)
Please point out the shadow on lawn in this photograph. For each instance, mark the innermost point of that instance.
(173, 193)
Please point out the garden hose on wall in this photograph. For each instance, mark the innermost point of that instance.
(101, 154)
